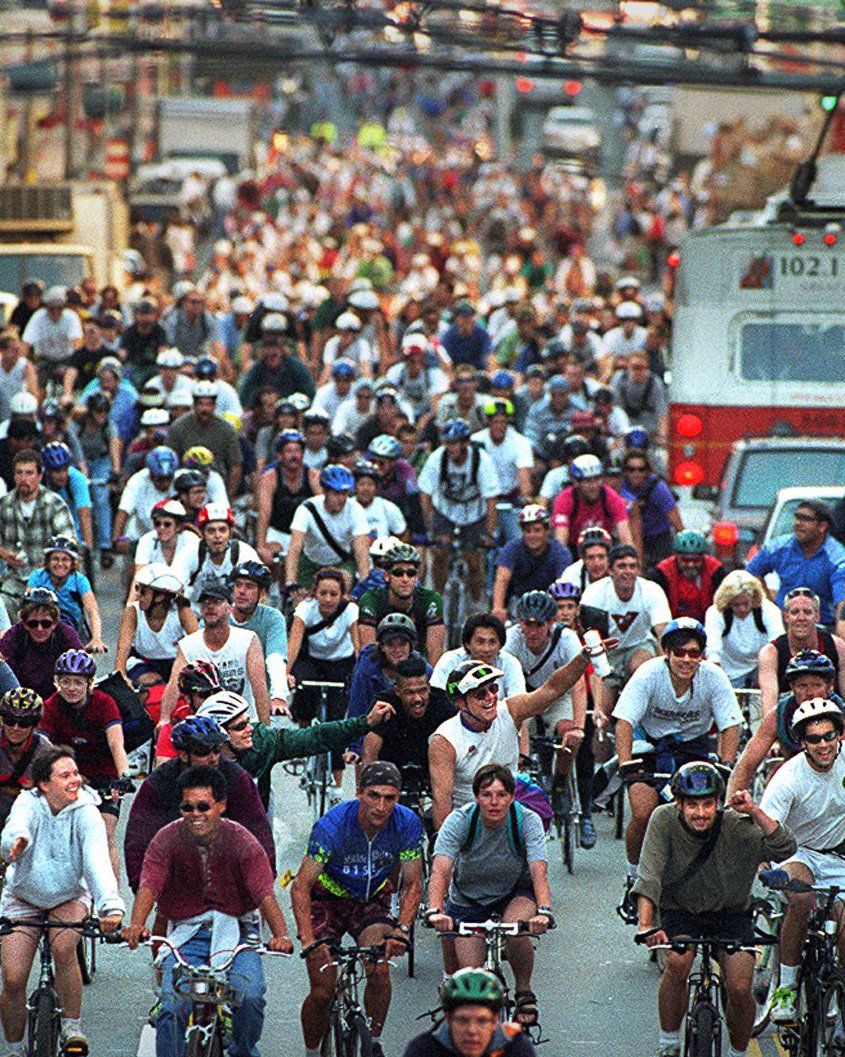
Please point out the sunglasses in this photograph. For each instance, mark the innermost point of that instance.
(800, 592)
(12, 721)
(244, 723)
(817, 739)
(403, 572)
(201, 806)
(33, 624)
(693, 652)
(483, 692)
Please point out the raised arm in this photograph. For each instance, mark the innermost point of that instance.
(524, 706)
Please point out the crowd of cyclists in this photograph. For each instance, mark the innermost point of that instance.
(276, 464)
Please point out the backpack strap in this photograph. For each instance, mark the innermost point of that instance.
(758, 619)
(202, 552)
(327, 622)
(516, 814)
(557, 631)
(344, 555)
(469, 839)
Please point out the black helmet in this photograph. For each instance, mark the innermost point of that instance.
(696, 780)
(536, 605)
(576, 445)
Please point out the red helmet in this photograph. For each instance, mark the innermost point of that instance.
(215, 512)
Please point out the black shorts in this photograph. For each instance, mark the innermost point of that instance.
(307, 699)
(718, 924)
(479, 912)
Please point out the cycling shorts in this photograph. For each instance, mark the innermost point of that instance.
(470, 534)
(332, 917)
(719, 924)
(482, 911)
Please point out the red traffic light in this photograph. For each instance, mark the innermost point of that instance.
(798, 238)
(830, 239)
(524, 85)
(674, 259)
(571, 88)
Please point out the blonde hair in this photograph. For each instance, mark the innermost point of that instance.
(737, 583)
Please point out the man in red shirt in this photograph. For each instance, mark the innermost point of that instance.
(587, 503)
(210, 878)
(689, 577)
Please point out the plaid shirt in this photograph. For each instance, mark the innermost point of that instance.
(50, 517)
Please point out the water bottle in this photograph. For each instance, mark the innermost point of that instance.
(598, 655)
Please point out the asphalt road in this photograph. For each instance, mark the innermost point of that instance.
(596, 990)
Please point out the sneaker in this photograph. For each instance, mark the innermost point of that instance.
(588, 833)
(377, 1051)
(627, 909)
(669, 1051)
(783, 1005)
(74, 1043)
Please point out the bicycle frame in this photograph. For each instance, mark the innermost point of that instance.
(346, 1014)
(315, 781)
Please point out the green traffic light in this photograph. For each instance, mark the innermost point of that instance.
(829, 102)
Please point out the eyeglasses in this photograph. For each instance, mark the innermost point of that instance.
(800, 592)
(34, 624)
(13, 721)
(244, 723)
(693, 652)
(817, 739)
(806, 517)
(201, 806)
(403, 572)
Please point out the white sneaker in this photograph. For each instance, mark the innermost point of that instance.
(783, 1005)
(669, 1051)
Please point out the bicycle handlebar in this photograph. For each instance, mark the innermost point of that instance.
(486, 928)
(89, 926)
(321, 684)
(729, 946)
(780, 881)
(180, 960)
(339, 951)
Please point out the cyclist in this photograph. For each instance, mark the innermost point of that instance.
(377, 576)
(283, 485)
(328, 529)
(20, 743)
(666, 712)
(68, 481)
(404, 594)
(198, 740)
(808, 795)
(739, 624)
(690, 576)
(375, 670)
(384, 517)
(698, 864)
(250, 581)
(513, 459)
(483, 639)
(197, 682)
(471, 1000)
(191, 492)
(201, 459)
(485, 730)
(458, 488)
(140, 494)
(532, 563)
(809, 674)
(56, 844)
(344, 885)
(587, 502)
(801, 618)
(594, 547)
(80, 715)
(490, 859)
(258, 748)
(32, 646)
(214, 554)
(657, 513)
(152, 626)
(167, 536)
(77, 601)
(210, 879)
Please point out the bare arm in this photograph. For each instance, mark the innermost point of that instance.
(624, 740)
(371, 747)
(534, 703)
(728, 743)
(441, 769)
(297, 630)
(128, 624)
(410, 890)
(539, 871)
(188, 620)
(435, 637)
(623, 528)
(753, 755)
(266, 494)
(233, 480)
(524, 476)
(491, 517)
(767, 674)
(86, 527)
(366, 634)
(300, 898)
(425, 503)
(114, 737)
(562, 534)
(360, 549)
(500, 591)
(840, 653)
(258, 681)
(297, 541)
(438, 884)
(95, 623)
(171, 692)
(675, 520)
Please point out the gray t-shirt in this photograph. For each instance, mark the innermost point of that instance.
(490, 869)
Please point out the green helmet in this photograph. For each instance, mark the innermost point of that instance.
(690, 542)
(471, 987)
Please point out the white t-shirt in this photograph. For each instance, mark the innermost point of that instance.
(333, 643)
(631, 622)
(186, 565)
(230, 660)
(810, 802)
(328, 399)
(52, 341)
(473, 748)
(460, 499)
(737, 651)
(554, 482)
(348, 419)
(513, 454)
(650, 702)
(384, 518)
(350, 522)
(360, 352)
(139, 497)
(616, 344)
(567, 647)
(512, 683)
(149, 547)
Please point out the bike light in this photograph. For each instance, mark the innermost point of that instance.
(688, 473)
(725, 534)
(688, 425)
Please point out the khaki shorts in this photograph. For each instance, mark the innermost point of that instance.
(621, 658)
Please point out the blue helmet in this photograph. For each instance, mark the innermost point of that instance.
(76, 662)
(385, 447)
(680, 629)
(197, 732)
(206, 369)
(338, 478)
(162, 461)
(564, 589)
(56, 455)
(458, 429)
(289, 436)
(636, 438)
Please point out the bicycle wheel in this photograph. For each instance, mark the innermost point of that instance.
(830, 1037)
(44, 1025)
(357, 1037)
(412, 936)
(567, 843)
(703, 1035)
(86, 953)
(766, 968)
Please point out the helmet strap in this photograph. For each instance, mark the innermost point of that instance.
(484, 724)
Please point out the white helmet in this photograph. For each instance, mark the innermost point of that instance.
(23, 403)
(155, 416)
(224, 706)
(585, 467)
(816, 708)
(167, 582)
(203, 387)
(148, 573)
(383, 544)
(533, 514)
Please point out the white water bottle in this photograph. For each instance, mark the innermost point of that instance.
(598, 655)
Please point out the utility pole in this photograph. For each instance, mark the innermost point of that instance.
(69, 95)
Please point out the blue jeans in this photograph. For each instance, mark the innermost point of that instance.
(245, 975)
(98, 471)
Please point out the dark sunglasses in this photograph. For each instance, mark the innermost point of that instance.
(33, 624)
(403, 572)
(13, 721)
(244, 723)
(800, 592)
(693, 652)
(817, 739)
(202, 807)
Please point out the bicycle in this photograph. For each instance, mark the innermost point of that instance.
(348, 1032)
(44, 1013)
(315, 780)
(703, 1028)
(818, 1029)
(566, 803)
(211, 995)
(416, 795)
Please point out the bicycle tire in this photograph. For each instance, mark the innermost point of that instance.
(567, 844)
(810, 996)
(359, 1041)
(619, 814)
(411, 950)
(44, 1025)
(703, 1035)
(766, 977)
(86, 954)
(830, 1038)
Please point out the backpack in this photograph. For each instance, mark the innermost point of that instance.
(475, 460)
(138, 727)
(514, 824)
(202, 554)
(576, 503)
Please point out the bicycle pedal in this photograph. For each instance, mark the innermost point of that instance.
(75, 1048)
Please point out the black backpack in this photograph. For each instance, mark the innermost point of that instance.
(138, 727)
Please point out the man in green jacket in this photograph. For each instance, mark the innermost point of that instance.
(258, 748)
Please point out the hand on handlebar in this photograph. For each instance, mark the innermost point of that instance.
(632, 770)
(651, 937)
(135, 934)
(110, 922)
(395, 946)
(96, 646)
(443, 923)
(281, 944)
(538, 924)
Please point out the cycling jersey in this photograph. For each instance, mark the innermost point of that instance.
(426, 610)
(15, 777)
(355, 867)
(84, 730)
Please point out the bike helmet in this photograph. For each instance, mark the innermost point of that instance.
(299, 401)
(162, 461)
(564, 589)
(199, 677)
(167, 583)
(169, 508)
(185, 480)
(223, 707)
(595, 536)
(696, 780)
(456, 430)
(574, 446)
(205, 388)
(396, 624)
(402, 552)
(690, 542)
(810, 662)
(316, 416)
(362, 468)
(252, 570)
(290, 436)
(533, 514)
(197, 732)
(381, 547)
(205, 369)
(585, 468)
(636, 438)
(63, 544)
(476, 987)
(385, 447)
(56, 455)
(536, 605)
(76, 662)
(215, 512)
(337, 478)
(679, 630)
(340, 444)
(198, 458)
(470, 675)
(498, 407)
(40, 597)
(21, 703)
(815, 709)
